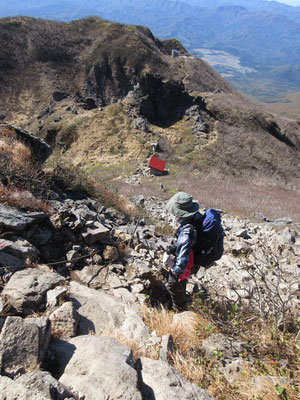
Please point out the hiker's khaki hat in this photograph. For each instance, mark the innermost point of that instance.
(182, 205)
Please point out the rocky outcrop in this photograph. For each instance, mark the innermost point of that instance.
(40, 149)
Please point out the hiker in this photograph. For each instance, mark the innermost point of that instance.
(194, 247)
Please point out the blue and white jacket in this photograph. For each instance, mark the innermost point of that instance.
(186, 238)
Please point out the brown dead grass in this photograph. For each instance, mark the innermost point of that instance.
(255, 380)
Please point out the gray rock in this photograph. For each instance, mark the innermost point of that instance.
(138, 200)
(27, 289)
(19, 248)
(98, 367)
(95, 232)
(160, 381)
(72, 257)
(64, 321)
(243, 233)
(45, 384)
(35, 385)
(282, 221)
(11, 262)
(125, 295)
(23, 343)
(103, 313)
(110, 253)
(222, 345)
(140, 124)
(16, 221)
(92, 276)
(288, 237)
(167, 347)
(240, 248)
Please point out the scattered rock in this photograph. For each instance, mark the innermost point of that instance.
(102, 313)
(11, 262)
(92, 276)
(35, 385)
(225, 346)
(95, 233)
(167, 347)
(64, 321)
(140, 124)
(55, 295)
(233, 369)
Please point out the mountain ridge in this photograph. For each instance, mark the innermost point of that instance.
(85, 89)
(266, 37)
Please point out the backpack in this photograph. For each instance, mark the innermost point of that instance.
(209, 242)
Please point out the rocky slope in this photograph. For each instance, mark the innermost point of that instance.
(101, 92)
(69, 290)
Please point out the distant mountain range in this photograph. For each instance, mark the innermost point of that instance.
(257, 42)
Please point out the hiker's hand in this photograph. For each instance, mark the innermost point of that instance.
(176, 271)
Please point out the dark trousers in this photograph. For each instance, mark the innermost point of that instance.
(177, 290)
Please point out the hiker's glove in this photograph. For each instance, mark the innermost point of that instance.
(176, 271)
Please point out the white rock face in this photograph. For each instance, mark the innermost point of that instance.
(98, 367)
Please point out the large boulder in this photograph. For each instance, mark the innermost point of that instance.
(26, 289)
(99, 367)
(23, 343)
(160, 381)
(102, 313)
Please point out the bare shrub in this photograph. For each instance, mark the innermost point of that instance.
(269, 287)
